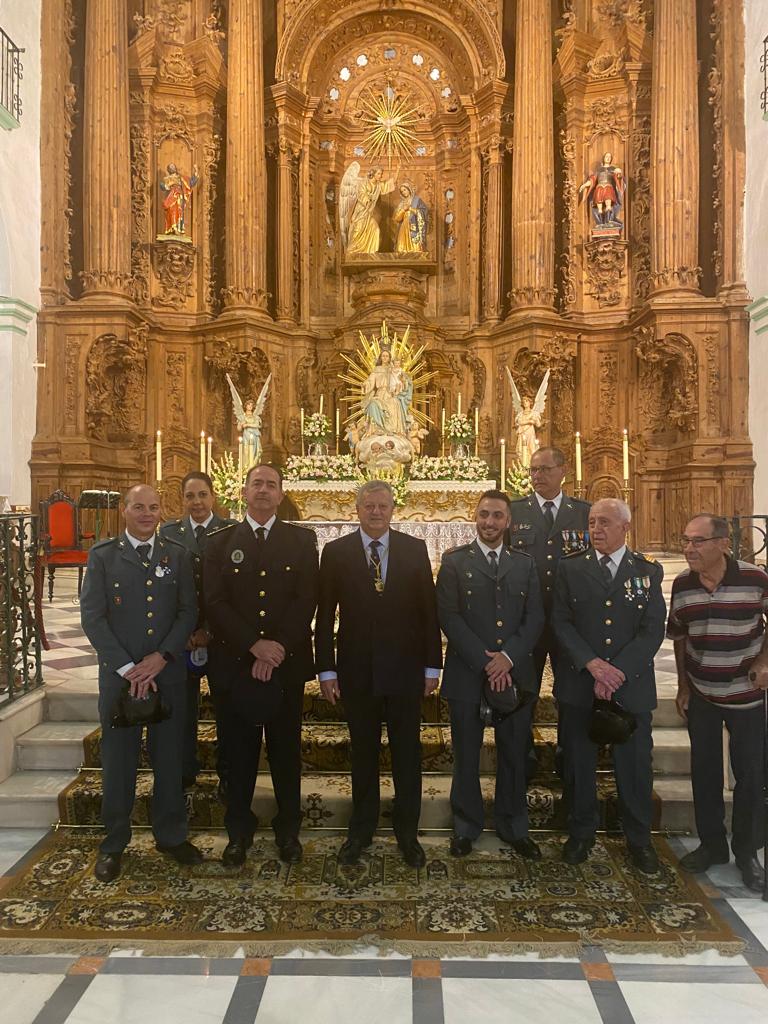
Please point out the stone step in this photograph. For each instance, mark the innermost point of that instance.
(74, 700)
(53, 746)
(29, 799)
(676, 795)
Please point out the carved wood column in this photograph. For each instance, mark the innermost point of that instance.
(493, 154)
(246, 199)
(106, 163)
(727, 97)
(674, 148)
(533, 176)
(285, 234)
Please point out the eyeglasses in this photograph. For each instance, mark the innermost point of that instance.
(542, 469)
(696, 542)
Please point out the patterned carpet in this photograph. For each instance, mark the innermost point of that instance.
(492, 898)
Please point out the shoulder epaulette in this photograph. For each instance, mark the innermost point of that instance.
(227, 526)
(455, 548)
(170, 522)
(165, 539)
(104, 543)
(647, 558)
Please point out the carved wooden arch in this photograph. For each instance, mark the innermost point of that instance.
(421, 96)
(317, 20)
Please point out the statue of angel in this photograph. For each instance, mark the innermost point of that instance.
(357, 202)
(527, 418)
(248, 416)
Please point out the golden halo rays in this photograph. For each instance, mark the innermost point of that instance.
(390, 120)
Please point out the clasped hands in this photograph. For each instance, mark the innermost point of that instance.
(498, 670)
(269, 655)
(141, 677)
(607, 677)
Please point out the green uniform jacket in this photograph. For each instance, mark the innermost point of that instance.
(530, 532)
(480, 611)
(621, 621)
(180, 531)
(128, 611)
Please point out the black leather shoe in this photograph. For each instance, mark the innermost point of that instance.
(576, 851)
(290, 850)
(751, 872)
(107, 866)
(184, 853)
(526, 847)
(235, 851)
(413, 853)
(702, 858)
(351, 851)
(460, 846)
(644, 858)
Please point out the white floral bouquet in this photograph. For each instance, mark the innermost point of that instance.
(452, 467)
(317, 427)
(227, 482)
(519, 479)
(321, 467)
(399, 491)
(459, 429)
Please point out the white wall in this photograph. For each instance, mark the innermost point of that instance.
(756, 243)
(20, 257)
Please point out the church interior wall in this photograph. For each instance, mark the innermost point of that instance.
(20, 212)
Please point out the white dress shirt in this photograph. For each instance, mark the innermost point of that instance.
(556, 501)
(615, 560)
(266, 527)
(205, 523)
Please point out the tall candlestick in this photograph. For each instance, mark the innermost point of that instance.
(338, 426)
(477, 430)
(625, 454)
(321, 404)
(578, 457)
(442, 428)
(302, 432)
(459, 409)
(210, 455)
(159, 456)
(202, 451)
(240, 457)
(503, 466)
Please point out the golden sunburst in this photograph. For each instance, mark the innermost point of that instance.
(389, 119)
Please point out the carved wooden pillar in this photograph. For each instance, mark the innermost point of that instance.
(246, 200)
(533, 176)
(674, 148)
(493, 154)
(285, 234)
(106, 164)
(727, 97)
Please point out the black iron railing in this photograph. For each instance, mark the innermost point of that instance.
(20, 664)
(11, 70)
(748, 538)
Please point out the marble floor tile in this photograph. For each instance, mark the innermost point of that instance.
(22, 996)
(336, 1000)
(512, 1001)
(707, 958)
(139, 999)
(671, 1003)
(15, 842)
(754, 914)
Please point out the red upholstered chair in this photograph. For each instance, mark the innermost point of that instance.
(61, 538)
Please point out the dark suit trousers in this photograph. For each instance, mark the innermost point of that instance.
(283, 738)
(510, 807)
(745, 729)
(190, 764)
(402, 715)
(220, 690)
(633, 767)
(120, 751)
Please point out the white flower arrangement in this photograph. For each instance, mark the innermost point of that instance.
(459, 429)
(519, 479)
(227, 482)
(317, 427)
(469, 468)
(321, 467)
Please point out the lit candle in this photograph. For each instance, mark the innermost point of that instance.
(338, 426)
(578, 457)
(302, 431)
(159, 456)
(210, 455)
(202, 451)
(477, 429)
(503, 444)
(442, 428)
(459, 409)
(240, 456)
(625, 453)
(321, 404)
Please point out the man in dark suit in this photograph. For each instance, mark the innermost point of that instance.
(137, 608)
(260, 585)
(489, 604)
(609, 617)
(386, 658)
(192, 531)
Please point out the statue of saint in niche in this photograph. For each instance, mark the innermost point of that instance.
(357, 203)
(177, 191)
(248, 415)
(605, 189)
(412, 218)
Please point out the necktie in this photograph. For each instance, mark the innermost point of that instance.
(261, 536)
(142, 550)
(549, 515)
(374, 566)
(493, 561)
(199, 532)
(605, 565)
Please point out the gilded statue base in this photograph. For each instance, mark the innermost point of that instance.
(427, 501)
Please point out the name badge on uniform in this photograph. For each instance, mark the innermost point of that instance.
(237, 556)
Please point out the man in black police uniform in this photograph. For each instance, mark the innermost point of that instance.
(608, 617)
(137, 608)
(192, 530)
(489, 604)
(260, 585)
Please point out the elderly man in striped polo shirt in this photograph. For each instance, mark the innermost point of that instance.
(717, 621)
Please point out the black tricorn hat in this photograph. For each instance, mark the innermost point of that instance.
(495, 705)
(610, 723)
(130, 711)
